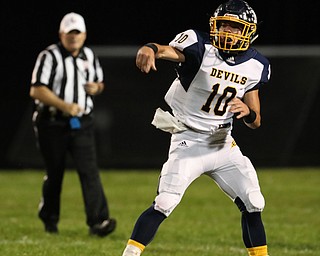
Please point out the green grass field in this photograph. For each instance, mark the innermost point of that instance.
(205, 223)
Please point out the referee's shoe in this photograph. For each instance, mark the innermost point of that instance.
(104, 228)
(51, 228)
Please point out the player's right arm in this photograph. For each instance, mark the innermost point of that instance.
(146, 56)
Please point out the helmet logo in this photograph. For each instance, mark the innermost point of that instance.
(231, 15)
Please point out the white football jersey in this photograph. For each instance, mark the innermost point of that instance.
(209, 79)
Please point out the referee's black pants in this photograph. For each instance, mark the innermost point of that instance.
(56, 139)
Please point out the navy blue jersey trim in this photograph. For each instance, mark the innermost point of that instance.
(193, 59)
(266, 64)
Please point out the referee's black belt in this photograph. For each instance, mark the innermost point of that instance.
(45, 113)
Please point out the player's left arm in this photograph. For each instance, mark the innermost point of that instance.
(248, 109)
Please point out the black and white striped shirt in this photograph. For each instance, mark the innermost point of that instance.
(66, 75)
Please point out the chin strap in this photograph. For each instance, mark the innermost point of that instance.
(254, 38)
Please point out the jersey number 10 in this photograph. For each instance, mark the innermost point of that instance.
(222, 102)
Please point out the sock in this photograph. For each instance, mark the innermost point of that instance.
(253, 230)
(258, 251)
(147, 226)
(133, 248)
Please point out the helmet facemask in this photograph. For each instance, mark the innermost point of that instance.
(230, 42)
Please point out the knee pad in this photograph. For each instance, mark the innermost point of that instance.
(166, 202)
(254, 202)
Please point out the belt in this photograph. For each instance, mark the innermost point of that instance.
(220, 126)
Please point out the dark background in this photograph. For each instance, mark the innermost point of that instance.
(288, 137)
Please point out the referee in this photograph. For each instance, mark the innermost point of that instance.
(66, 78)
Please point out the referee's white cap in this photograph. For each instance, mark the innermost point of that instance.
(72, 21)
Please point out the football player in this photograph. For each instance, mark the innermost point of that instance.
(218, 78)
